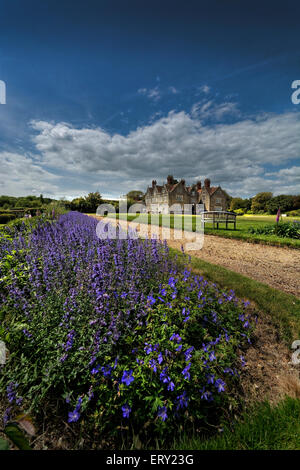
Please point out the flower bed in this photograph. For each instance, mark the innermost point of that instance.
(284, 230)
(112, 333)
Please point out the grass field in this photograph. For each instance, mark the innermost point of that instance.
(243, 223)
(262, 428)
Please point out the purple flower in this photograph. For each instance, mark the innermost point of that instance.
(212, 356)
(127, 377)
(175, 337)
(206, 395)
(162, 413)
(186, 373)
(172, 282)
(210, 379)
(148, 348)
(243, 361)
(73, 416)
(126, 410)
(26, 333)
(19, 401)
(151, 299)
(160, 358)
(163, 376)
(171, 386)
(106, 371)
(7, 415)
(182, 400)
(78, 406)
(220, 385)
(188, 353)
(152, 363)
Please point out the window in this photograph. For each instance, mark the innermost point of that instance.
(218, 208)
(218, 200)
(179, 197)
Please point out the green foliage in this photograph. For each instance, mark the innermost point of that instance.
(183, 352)
(6, 217)
(284, 202)
(4, 444)
(263, 427)
(135, 195)
(241, 233)
(86, 204)
(284, 230)
(259, 202)
(17, 436)
(239, 211)
(295, 213)
(239, 203)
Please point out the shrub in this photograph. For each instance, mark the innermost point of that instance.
(6, 217)
(239, 211)
(295, 213)
(109, 331)
(284, 230)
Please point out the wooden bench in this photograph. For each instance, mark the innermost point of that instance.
(219, 217)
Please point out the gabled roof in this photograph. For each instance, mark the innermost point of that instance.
(210, 190)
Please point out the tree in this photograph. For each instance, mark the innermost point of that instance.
(259, 202)
(88, 203)
(135, 195)
(284, 202)
(92, 201)
(296, 202)
(239, 203)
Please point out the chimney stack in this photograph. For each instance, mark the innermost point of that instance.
(170, 180)
(198, 185)
(207, 183)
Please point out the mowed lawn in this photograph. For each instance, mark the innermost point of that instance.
(243, 223)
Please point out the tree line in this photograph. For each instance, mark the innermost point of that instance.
(265, 202)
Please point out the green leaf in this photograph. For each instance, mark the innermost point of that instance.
(17, 437)
(4, 445)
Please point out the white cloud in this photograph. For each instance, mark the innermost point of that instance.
(22, 174)
(205, 89)
(173, 90)
(151, 93)
(204, 110)
(233, 155)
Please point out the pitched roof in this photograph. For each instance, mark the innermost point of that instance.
(210, 190)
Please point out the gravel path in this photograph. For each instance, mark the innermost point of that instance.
(278, 267)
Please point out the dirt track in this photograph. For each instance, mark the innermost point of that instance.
(278, 267)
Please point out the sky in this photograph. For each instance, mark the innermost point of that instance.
(108, 95)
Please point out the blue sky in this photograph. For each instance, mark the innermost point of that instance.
(108, 95)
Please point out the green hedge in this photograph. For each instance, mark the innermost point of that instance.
(5, 218)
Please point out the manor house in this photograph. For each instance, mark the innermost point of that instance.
(171, 197)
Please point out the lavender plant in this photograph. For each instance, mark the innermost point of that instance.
(113, 332)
